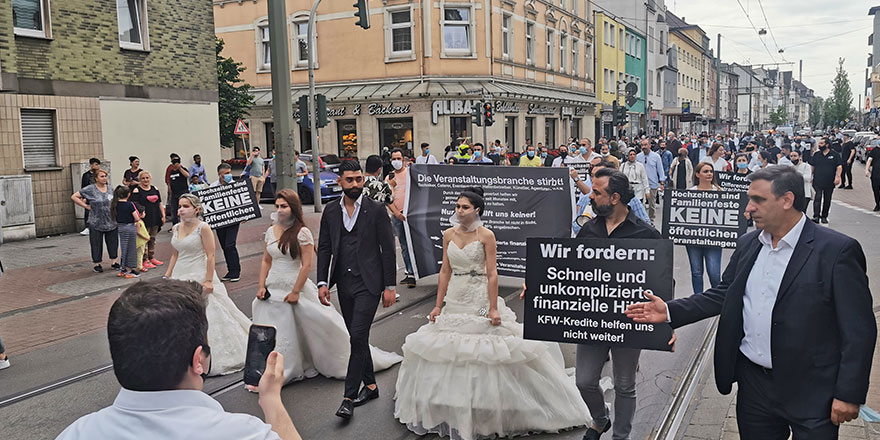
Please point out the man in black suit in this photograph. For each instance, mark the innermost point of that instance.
(356, 253)
(797, 331)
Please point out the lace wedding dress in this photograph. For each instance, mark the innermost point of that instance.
(464, 378)
(311, 336)
(227, 325)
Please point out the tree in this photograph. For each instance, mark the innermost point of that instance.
(816, 111)
(839, 104)
(779, 116)
(235, 99)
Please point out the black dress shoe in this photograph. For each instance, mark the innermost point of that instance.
(824, 221)
(877, 208)
(592, 434)
(346, 410)
(366, 395)
(815, 219)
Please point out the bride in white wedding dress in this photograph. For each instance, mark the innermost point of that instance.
(311, 336)
(193, 260)
(469, 374)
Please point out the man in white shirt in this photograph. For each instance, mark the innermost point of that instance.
(796, 330)
(563, 154)
(426, 157)
(162, 367)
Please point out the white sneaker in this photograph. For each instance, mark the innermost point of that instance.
(4, 364)
(84, 232)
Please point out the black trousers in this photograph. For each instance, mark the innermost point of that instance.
(822, 201)
(173, 203)
(846, 176)
(97, 240)
(806, 206)
(760, 416)
(227, 237)
(875, 186)
(359, 307)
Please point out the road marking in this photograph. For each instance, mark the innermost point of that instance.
(856, 208)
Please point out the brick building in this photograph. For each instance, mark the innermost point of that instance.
(106, 79)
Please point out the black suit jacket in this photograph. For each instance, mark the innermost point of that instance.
(376, 256)
(823, 329)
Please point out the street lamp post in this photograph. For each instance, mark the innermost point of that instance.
(313, 120)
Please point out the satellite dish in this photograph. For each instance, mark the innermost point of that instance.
(631, 89)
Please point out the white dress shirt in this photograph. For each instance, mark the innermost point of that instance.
(762, 287)
(169, 415)
(349, 221)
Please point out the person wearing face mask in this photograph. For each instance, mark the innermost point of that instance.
(605, 151)
(310, 335)
(546, 157)
(560, 158)
(426, 157)
(681, 170)
(609, 198)
(530, 159)
(636, 175)
(585, 153)
(228, 235)
(666, 156)
(479, 156)
(397, 180)
(193, 260)
(827, 166)
(741, 164)
(806, 171)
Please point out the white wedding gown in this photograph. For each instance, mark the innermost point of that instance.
(311, 336)
(227, 325)
(464, 378)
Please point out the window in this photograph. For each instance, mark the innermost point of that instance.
(563, 51)
(574, 7)
(400, 32)
(650, 81)
(549, 132)
(457, 31)
(458, 129)
(530, 133)
(505, 36)
(638, 48)
(510, 133)
(613, 34)
(301, 47)
(657, 90)
(31, 18)
(265, 57)
(650, 39)
(605, 80)
(587, 64)
(131, 16)
(608, 34)
(38, 138)
(574, 56)
(530, 43)
(550, 49)
(396, 133)
(662, 43)
(620, 33)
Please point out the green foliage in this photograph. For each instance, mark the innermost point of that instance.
(779, 116)
(816, 109)
(235, 99)
(838, 107)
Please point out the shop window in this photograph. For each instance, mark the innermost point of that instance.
(530, 131)
(510, 133)
(550, 132)
(270, 134)
(30, 18)
(38, 138)
(131, 17)
(576, 128)
(396, 133)
(347, 140)
(305, 141)
(458, 129)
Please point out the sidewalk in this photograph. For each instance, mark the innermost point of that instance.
(49, 292)
(714, 415)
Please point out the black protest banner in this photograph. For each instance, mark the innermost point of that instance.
(577, 290)
(733, 181)
(226, 205)
(583, 170)
(520, 202)
(704, 218)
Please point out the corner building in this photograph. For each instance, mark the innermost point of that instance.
(412, 76)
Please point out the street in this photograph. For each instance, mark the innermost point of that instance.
(53, 314)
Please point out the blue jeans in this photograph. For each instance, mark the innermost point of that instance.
(712, 256)
(400, 232)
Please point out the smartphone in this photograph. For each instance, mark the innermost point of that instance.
(261, 342)
(266, 296)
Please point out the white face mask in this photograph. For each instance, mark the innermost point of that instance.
(468, 223)
(397, 164)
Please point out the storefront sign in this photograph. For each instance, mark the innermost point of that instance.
(331, 112)
(607, 117)
(227, 205)
(567, 111)
(520, 202)
(390, 109)
(577, 290)
(507, 107)
(451, 107)
(704, 218)
(580, 111)
(541, 109)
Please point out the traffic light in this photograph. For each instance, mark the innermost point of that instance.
(476, 113)
(622, 117)
(303, 104)
(321, 109)
(488, 114)
(362, 13)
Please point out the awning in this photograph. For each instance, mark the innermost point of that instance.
(438, 89)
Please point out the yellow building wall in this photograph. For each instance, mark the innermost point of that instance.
(689, 66)
(608, 57)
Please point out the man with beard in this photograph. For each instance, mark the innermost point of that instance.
(609, 198)
(560, 159)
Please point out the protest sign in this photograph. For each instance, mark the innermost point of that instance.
(226, 205)
(704, 218)
(733, 181)
(520, 202)
(583, 170)
(577, 290)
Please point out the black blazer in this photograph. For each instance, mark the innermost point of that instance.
(823, 329)
(377, 260)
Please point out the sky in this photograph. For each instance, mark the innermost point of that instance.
(808, 30)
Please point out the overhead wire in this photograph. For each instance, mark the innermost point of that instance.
(749, 18)
(769, 29)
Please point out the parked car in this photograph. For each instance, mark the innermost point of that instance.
(330, 188)
(865, 147)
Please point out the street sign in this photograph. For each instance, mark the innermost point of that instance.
(685, 107)
(240, 128)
